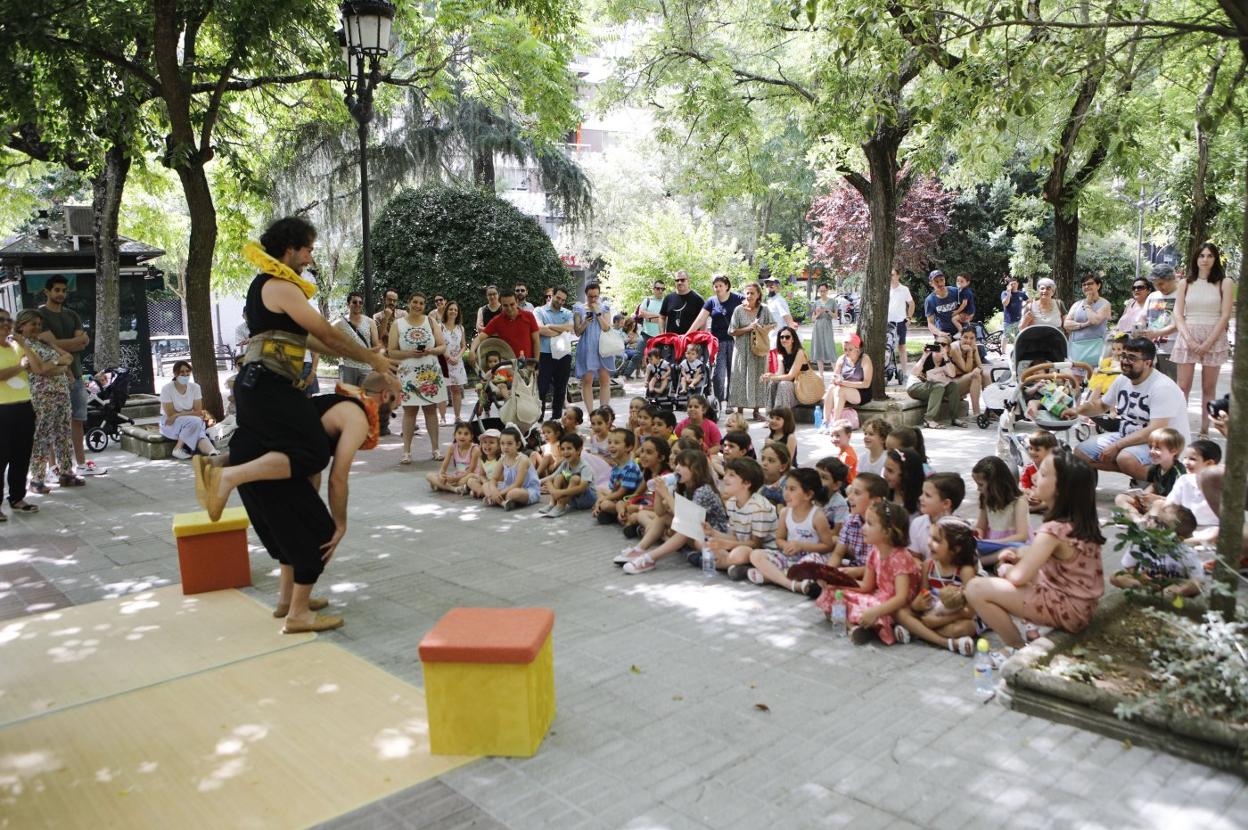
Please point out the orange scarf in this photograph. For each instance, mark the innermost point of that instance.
(371, 409)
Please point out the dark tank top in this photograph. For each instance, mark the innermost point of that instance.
(324, 403)
(260, 318)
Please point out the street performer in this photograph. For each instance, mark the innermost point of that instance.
(279, 432)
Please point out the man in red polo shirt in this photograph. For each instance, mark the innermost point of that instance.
(515, 326)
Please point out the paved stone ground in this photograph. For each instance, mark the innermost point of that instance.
(661, 679)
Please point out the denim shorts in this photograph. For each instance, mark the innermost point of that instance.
(78, 401)
(585, 500)
(1095, 446)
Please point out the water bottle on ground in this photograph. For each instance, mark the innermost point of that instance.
(839, 617)
(984, 686)
(708, 562)
(818, 415)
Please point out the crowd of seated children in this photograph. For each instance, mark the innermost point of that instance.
(1174, 570)
(1164, 446)
(1004, 514)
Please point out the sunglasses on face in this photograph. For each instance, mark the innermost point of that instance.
(1139, 288)
(786, 337)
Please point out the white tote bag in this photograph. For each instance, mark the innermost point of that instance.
(561, 345)
(610, 343)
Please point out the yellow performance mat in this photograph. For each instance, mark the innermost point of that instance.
(288, 739)
(61, 658)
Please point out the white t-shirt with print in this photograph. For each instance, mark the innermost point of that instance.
(1155, 397)
(1159, 314)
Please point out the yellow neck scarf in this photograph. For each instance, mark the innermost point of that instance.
(258, 257)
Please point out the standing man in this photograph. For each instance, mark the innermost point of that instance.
(62, 327)
(681, 307)
(1159, 325)
(715, 314)
(517, 328)
(553, 319)
(649, 311)
(778, 307)
(522, 297)
(385, 318)
(900, 310)
(356, 326)
(1012, 300)
(940, 305)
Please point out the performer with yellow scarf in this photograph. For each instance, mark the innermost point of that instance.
(280, 435)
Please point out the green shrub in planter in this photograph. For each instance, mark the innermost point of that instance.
(441, 240)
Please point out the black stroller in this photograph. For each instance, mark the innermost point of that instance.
(104, 418)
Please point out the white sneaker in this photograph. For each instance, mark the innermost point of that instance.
(901, 633)
(545, 510)
(640, 565)
(181, 454)
(627, 555)
(556, 512)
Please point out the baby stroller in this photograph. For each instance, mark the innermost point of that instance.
(1040, 355)
(672, 347)
(104, 418)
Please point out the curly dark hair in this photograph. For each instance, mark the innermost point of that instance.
(290, 232)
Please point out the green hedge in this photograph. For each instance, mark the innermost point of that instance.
(455, 242)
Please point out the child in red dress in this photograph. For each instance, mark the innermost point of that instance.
(891, 578)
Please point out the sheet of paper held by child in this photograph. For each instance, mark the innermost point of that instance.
(689, 519)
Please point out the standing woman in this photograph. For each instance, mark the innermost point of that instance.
(793, 361)
(1044, 311)
(747, 389)
(823, 338)
(1201, 312)
(416, 341)
(851, 381)
(491, 309)
(453, 336)
(590, 319)
(1135, 312)
(1088, 323)
(17, 416)
(49, 394)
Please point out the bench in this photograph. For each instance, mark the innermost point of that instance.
(145, 441)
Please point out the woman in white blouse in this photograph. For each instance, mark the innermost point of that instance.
(184, 419)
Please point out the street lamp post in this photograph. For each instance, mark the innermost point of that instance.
(365, 40)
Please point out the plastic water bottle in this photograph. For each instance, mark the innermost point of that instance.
(818, 415)
(839, 616)
(984, 686)
(708, 562)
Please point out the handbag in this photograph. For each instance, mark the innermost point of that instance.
(808, 388)
(523, 408)
(561, 345)
(610, 343)
(760, 340)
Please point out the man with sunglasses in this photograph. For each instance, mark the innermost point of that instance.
(522, 297)
(357, 327)
(681, 307)
(1145, 400)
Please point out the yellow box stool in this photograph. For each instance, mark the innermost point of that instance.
(489, 681)
(212, 556)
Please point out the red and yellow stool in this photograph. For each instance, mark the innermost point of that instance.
(212, 556)
(489, 681)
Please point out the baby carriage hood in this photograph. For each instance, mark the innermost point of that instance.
(1039, 344)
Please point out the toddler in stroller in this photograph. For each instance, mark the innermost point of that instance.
(104, 418)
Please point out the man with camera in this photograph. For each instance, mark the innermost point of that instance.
(935, 384)
(1145, 400)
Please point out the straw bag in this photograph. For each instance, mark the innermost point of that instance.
(808, 388)
(760, 340)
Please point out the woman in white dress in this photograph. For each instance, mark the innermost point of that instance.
(416, 341)
(456, 373)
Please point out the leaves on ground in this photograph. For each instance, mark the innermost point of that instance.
(762, 707)
(634, 669)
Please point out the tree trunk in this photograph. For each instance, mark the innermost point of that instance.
(1235, 480)
(197, 282)
(881, 196)
(483, 169)
(1202, 205)
(1065, 247)
(106, 192)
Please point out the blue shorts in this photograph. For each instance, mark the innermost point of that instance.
(585, 500)
(78, 400)
(900, 325)
(1095, 446)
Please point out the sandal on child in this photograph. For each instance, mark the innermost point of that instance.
(963, 645)
(901, 634)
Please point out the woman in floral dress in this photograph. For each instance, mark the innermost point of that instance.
(416, 341)
(49, 394)
(747, 388)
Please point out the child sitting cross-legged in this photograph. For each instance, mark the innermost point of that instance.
(626, 479)
(1164, 446)
(694, 482)
(571, 420)
(1004, 513)
(641, 423)
(663, 424)
(903, 470)
(489, 458)
(652, 458)
(889, 581)
(751, 519)
(546, 459)
(941, 494)
(1175, 571)
(783, 430)
(514, 482)
(734, 445)
(1202, 454)
(803, 535)
(842, 433)
(599, 428)
(938, 615)
(570, 486)
(874, 437)
(775, 461)
(835, 477)
(1039, 445)
(850, 553)
(1057, 580)
(460, 463)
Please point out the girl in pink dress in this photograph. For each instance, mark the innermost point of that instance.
(1058, 579)
(891, 578)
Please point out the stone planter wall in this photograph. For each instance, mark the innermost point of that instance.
(1034, 691)
(146, 442)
